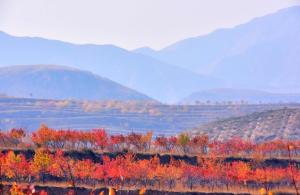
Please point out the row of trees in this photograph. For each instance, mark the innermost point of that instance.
(12, 138)
(127, 171)
(131, 106)
(100, 140)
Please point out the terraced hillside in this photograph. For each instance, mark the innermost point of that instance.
(259, 126)
(117, 116)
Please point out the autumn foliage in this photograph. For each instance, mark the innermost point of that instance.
(100, 140)
(128, 171)
(51, 163)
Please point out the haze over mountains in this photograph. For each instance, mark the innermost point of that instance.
(240, 96)
(262, 54)
(147, 75)
(59, 82)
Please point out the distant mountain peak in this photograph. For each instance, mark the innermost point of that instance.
(143, 49)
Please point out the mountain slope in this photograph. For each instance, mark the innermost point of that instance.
(239, 95)
(268, 125)
(145, 74)
(261, 54)
(59, 82)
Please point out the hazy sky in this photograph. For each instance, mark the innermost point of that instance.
(128, 23)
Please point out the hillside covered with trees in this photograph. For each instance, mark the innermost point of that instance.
(258, 126)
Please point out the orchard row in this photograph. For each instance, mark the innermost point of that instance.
(125, 171)
(100, 140)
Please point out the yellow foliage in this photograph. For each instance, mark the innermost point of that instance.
(270, 193)
(41, 160)
(262, 191)
(11, 159)
(15, 190)
(111, 191)
(147, 138)
(142, 191)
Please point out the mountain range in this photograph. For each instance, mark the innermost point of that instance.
(242, 96)
(59, 82)
(262, 54)
(145, 74)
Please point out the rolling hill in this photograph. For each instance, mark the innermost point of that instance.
(262, 54)
(240, 96)
(161, 81)
(60, 82)
(268, 125)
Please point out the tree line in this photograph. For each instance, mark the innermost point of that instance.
(100, 141)
(211, 172)
(127, 171)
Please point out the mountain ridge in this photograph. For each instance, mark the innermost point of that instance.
(259, 54)
(142, 73)
(61, 82)
(226, 95)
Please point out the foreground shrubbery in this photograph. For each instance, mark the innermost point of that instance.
(127, 171)
(211, 172)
